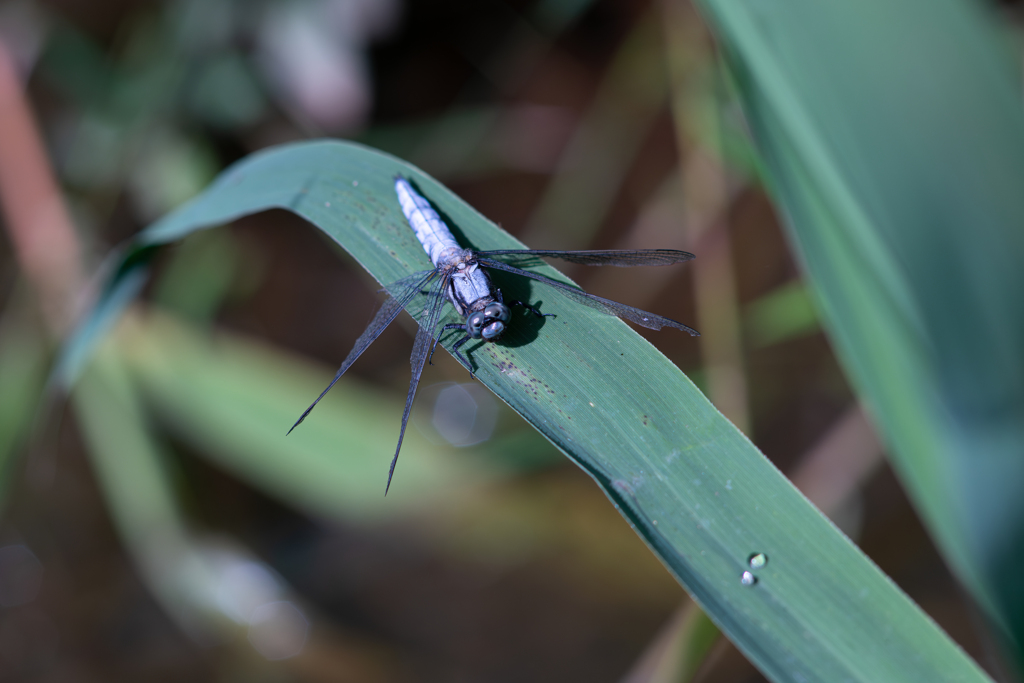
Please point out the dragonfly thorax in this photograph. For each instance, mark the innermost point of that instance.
(489, 323)
(454, 257)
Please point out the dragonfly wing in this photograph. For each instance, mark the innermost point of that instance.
(418, 359)
(605, 257)
(640, 317)
(401, 293)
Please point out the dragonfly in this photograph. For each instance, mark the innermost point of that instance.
(459, 277)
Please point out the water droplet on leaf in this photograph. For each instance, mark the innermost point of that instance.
(757, 560)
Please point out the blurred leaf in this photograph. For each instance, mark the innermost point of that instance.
(235, 399)
(119, 127)
(894, 138)
(75, 65)
(23, 360)
(211, 587)
(95, 156)
(138, 491)
(783, 313)
(127, 276)
(150, 69)
(200, 276)
(226, 93)
(171, 169)
(695, 488)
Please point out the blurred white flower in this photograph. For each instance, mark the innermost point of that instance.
(313, 52)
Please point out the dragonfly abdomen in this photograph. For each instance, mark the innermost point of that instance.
(433, 234)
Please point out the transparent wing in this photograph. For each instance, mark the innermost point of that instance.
(605, 257)
(420, 351)
(640, 317)
(400, 294)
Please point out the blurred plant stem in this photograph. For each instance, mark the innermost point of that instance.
(708, 199)
(37, 220)
(839, 464)
(47, 251)
(708, 194)
(602, 149)
(679, 650)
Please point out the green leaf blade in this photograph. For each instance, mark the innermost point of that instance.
(894, 141)
(695, 488)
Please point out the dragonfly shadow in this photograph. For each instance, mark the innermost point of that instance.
(523, 328)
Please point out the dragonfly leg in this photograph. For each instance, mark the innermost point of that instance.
(465, 361)
(449, 326)
(531, 309)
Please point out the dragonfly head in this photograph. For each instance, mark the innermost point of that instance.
(489, 323)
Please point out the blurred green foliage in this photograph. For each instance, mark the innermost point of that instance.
(23, 366)
(695, 482)
(556, 119)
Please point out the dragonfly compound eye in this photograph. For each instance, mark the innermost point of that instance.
(475, 325)
(494, 330)
(498, 312)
